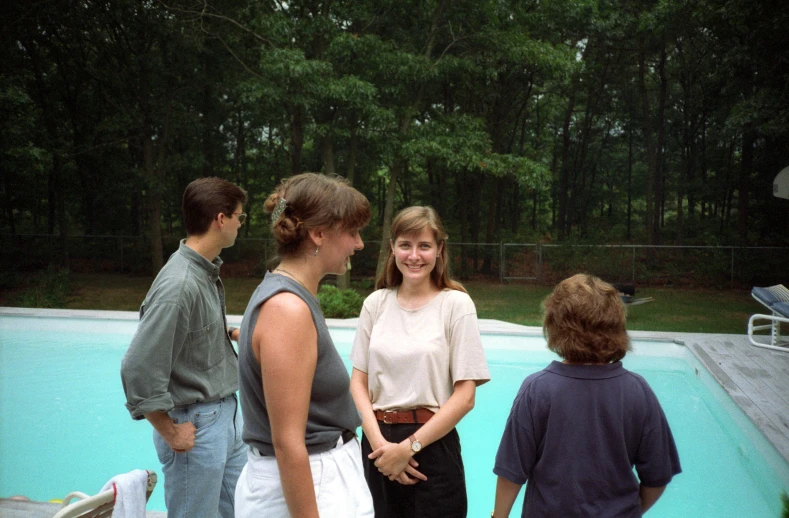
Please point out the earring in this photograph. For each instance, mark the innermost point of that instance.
(316, 251)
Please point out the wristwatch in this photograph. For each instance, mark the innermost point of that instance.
(416, 446)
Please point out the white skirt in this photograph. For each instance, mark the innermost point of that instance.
(337, 476)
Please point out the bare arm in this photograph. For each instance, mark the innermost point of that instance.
(393, 459)
(180, 437)
(648, 496)
(234, 334)
(361, 397)
(285, 343)
(506, 493)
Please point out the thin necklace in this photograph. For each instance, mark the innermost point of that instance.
(283, 270)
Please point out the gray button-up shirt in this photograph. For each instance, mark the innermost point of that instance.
(181, 353)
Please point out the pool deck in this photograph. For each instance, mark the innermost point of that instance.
(756, 379)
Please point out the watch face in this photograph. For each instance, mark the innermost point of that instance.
(416, 446)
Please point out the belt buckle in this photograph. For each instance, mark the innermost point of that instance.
(390, 416)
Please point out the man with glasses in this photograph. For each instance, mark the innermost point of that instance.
(181, 370)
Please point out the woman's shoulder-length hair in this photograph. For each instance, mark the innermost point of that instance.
(411, 221)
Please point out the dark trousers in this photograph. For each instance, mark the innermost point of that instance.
(442, 495)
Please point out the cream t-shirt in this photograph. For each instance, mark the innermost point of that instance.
(413, 357)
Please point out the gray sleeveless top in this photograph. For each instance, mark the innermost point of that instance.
(331, 406)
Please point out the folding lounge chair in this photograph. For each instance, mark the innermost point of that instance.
(776, 299)
(627, 292)
(97, 506)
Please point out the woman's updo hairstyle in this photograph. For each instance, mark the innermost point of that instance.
(313, 201)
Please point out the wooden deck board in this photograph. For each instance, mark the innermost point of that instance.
(756, 379)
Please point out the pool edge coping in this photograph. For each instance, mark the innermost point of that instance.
(486, 325)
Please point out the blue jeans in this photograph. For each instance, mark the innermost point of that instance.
(202, 482)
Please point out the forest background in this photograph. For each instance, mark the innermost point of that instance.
(549, 121)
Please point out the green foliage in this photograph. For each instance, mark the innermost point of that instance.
(9, 279)
(458, 141)
(337, 303)
(50, 289)
(514, 119)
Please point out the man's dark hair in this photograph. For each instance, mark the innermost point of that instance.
(204, 198)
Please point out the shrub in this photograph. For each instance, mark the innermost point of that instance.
(49, 290)
(337, 303)
(9, 279)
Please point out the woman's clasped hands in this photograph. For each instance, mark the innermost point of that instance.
(395, 461)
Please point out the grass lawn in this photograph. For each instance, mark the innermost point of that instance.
(681, 310)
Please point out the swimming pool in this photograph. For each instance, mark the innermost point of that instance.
(63, 425)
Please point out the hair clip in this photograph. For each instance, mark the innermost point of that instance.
(278, 210)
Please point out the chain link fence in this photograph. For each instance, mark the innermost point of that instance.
(707, 266)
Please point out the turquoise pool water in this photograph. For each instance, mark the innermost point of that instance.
(63, 426)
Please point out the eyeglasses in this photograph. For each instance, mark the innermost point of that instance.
(242, 217)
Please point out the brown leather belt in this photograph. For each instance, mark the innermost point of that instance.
(415, 416)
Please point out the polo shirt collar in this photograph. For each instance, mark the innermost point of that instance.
(210, 267)
(590, 372)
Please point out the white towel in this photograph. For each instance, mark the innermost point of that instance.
(130, 491)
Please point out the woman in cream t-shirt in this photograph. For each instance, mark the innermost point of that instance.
(417, 361)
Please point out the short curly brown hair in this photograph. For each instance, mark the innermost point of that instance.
(584, 321)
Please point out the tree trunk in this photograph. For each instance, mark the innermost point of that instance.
(703, 164)
(208, 117)
(746, 168)
(657, 221)
(494, 216)
(153, 201)
(564, 171)
(296, 139)
(344, 280)
(240, 153)
(328, 155)
(474, 211)
(386, 227)
(728, 191)
(153, 165)
(629, 180)
(650, 147)
(535, 196)
(9, 209)
(353, 148)
(463, 201)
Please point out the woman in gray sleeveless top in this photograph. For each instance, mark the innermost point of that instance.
(300, 420)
